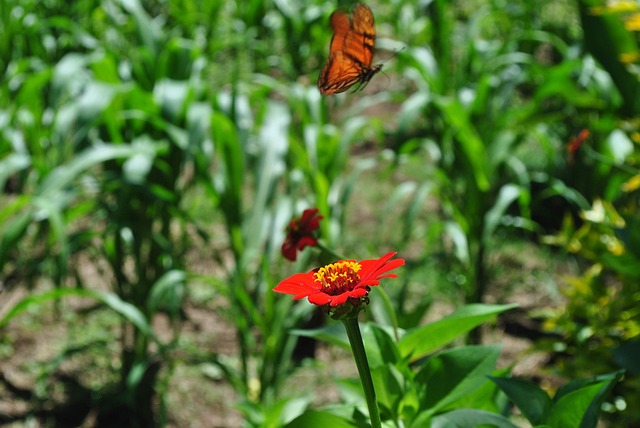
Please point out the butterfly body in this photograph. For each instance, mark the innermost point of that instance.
(351, 52)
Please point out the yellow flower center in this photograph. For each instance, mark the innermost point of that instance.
(338, 277)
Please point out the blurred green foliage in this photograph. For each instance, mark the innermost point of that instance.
(138, 136)
(599, 326)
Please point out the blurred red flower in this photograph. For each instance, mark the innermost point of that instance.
(339, 282)
(576, 142)
(300, 233)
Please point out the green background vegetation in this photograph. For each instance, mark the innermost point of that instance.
(152, 153)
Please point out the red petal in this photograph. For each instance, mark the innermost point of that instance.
(319, 299)
(373, 270)
(289, 250)
(300, 284)
(307, 241)
(304, 285)
(358, 292)
(339, 299)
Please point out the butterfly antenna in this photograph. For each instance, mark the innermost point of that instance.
(392, 53)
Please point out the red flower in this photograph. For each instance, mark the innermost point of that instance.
(339, 282)
(300, 233)
(576, 142)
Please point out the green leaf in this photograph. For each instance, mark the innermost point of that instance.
(137, 166)
(488, 396)
(455, 232)
(471, 143)
(62, 177)
(13, 232)
(507, 195)
(411, 110)
(95, 99)
(533, 402)
(315, 419)
(273, 414)
(454, 373)
(171, 96)
(570, 410)
(230, 179)
(68, 71)
(292, 408)
(381, 349)
(136, 374)
(618, 147)
(167, 292)
(421, 341)
(606, 38)
(388, 383)
(464, 418)
(149, 30)
(559, 188)
(11, 164)
(577, 404)
(333, 333)
(127, 310)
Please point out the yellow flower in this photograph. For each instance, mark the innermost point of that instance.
(629, 57)
(622, 6)
(631, 184)
(632, 22)
(615, 7)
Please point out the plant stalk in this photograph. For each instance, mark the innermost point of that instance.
(360, 356)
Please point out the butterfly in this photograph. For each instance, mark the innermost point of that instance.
(351, 52)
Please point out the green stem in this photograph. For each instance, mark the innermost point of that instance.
(329, 252)
(359, 354)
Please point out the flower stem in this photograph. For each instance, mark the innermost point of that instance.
(360, 356)
(329, 253)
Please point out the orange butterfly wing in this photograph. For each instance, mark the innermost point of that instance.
(360, 41)
(341, 27)
(351, 52)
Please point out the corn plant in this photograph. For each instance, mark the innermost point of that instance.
(473, 116)
(127, 139)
